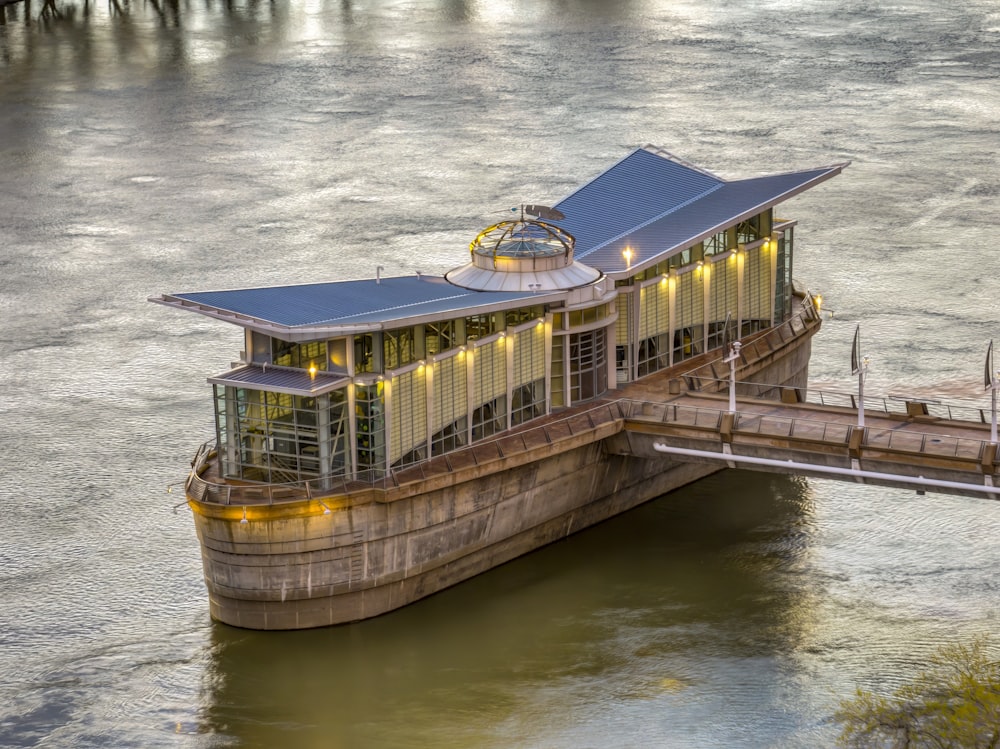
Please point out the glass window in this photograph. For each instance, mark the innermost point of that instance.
(299, 355)
(370, 415)
(440, 336)
(398, 348)
(489, 419)
(588, 365)
(364, 353)
(480, 326)
(452, 437)
(280, 438)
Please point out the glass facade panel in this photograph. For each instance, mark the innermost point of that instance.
(370, 415)
(398, 348)
(654, 326)
(757, 290)
(299, 355)
(558, 373)
(783, 277)
(588, 365)
(281, 438)
(367, 353)
(690, 310)
(409, 418)
(440, 336)
(489, 418)
(480, 326)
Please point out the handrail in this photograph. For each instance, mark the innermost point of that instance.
(501, 446)
(892, 404)
(815, 430)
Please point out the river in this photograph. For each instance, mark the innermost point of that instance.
(163, 146)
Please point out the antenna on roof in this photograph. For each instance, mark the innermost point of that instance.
(542, 211)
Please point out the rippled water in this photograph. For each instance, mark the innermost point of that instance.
(158, 146)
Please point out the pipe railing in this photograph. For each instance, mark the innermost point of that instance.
(501, 446)
(815, 430)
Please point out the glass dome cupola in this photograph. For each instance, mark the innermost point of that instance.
(525, 254)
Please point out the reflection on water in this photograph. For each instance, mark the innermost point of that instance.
(647, 607)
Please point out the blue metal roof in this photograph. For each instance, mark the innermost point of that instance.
(342, 302)
(656, 206)
(650, 200)
(636, 190)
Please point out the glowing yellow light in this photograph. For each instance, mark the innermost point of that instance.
(312, 370)
(818, 299)
(627, 254)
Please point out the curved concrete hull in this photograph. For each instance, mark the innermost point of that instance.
(338, 559)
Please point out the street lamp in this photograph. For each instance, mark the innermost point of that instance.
(992, 384)
(859, 367)
(734, 354)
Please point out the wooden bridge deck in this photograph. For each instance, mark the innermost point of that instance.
(913, 450)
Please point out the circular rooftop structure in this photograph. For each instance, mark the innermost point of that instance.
(525, 254)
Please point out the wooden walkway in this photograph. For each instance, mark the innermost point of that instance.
(913, 449)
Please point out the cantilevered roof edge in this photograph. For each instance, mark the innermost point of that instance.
(649, 148)
(281, 380)
(619, 267)
(476, 302)
(652, 220)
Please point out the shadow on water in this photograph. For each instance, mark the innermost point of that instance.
(643, 606)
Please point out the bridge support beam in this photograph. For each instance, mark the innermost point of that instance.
(791, 466)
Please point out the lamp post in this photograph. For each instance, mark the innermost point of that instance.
(859, 367)
(992, 384)
(734, 354)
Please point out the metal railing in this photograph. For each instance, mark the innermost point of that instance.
(899, 405)
(807, 429)
(499, 447)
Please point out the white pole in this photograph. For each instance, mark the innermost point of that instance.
(734, 354)
(993, 384)
(861, 395)
(791, 466)
(993, 423)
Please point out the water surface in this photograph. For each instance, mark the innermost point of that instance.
(165, 146)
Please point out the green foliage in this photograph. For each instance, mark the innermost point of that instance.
(955, 704)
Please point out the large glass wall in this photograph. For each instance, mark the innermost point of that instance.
(783, 276)
(758, 302)
(588, 368)
(324, 356)
(489, 414)
(281, 438)
(370, 415)
(654, 327)
(528, 383)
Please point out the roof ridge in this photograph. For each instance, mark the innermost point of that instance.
(655, 218)
(398, 306)
(597, 176)
(664, 153)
